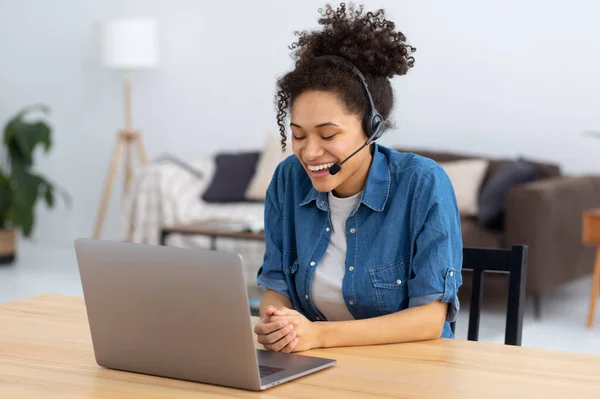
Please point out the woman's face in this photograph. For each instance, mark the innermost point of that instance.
(324, 133)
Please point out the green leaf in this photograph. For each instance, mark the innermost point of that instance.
(21, 137)
(27, 224)
(9, 130)
(65, 196)
(17, 161)
(26, 188)
(25, 137)
(49, 196)
(50, 189)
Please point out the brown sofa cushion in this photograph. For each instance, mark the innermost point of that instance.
(544, 169)
(477, 236)
(492, 197)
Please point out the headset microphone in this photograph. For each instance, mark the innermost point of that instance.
(336, 167)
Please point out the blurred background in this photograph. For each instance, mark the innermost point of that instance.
(505, 79)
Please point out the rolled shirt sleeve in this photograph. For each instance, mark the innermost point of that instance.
(436, 270)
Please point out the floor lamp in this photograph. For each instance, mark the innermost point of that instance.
(127, 45)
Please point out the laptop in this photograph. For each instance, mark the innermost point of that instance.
(178, 313)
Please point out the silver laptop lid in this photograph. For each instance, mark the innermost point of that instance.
(154, 310)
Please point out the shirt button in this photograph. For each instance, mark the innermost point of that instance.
(398, 282)
(312, 263)
(305, 296)
(351, 302)
(327, 229)
(451, 274)
(352, 230)
(351, 268)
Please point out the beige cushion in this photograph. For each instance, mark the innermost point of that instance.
(270, 157)
(466, 177)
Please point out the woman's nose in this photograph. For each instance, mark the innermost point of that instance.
(312, 149)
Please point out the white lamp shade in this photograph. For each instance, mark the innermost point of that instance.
(130, 43)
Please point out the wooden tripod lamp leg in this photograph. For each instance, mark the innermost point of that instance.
(141, 150)
(128, 172)
(114, 165)
(126, 139)
(133, 138)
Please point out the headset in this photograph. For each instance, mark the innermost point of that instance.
(373, 122)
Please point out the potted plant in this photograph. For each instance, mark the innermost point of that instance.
(20, 186)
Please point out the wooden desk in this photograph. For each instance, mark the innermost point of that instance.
(46, 352)
(591, 236)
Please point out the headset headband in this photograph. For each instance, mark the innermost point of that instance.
(360, 76)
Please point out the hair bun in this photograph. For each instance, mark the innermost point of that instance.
(368, 40)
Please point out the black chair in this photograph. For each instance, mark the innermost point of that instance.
(512, 261)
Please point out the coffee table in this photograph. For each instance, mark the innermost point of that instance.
(212, 229)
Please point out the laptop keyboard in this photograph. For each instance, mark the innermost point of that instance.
(268, 370)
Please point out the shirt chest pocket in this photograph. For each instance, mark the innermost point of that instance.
(389, 285)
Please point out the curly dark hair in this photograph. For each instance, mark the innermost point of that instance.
(368, 41)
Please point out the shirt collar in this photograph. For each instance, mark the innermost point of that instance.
(377, 186)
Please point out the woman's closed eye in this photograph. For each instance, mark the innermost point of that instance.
(324, 137)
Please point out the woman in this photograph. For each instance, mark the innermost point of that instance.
(371, 254)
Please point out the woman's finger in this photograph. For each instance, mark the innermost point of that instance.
(283, 342)
(289, 348)
(276, 335)
(262, 328)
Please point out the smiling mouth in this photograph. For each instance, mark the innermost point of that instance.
(320, 168)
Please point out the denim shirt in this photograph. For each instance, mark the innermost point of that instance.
(404, 240)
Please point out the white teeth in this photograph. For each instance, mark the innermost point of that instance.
(320, 167)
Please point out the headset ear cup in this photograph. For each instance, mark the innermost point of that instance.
(376, 126)
(368, 125)
(371, 125)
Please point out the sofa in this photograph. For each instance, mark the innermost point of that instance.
(541, 207)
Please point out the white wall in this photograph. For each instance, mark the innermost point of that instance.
(497, 77)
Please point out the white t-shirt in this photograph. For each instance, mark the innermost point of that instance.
(326, 285)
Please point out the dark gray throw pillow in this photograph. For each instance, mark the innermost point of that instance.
(233, 172)
(493, 194)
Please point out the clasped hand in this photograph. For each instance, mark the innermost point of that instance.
(286, 330)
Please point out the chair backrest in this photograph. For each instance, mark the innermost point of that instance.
(512, 261)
